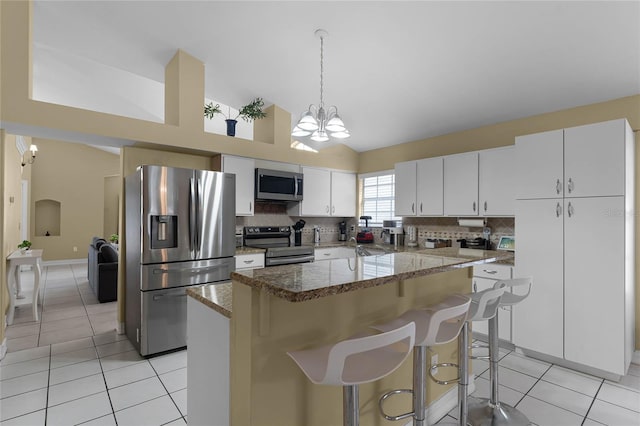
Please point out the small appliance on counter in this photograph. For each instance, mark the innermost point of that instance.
(365, 235)
(475, 243)
(436, 243)
(297, 232)
(392, 233)
(342, 234)
(412, 236)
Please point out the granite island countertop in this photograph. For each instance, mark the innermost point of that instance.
(306, 281)
(215, 296)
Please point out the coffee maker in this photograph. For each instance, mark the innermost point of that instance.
(342, 234)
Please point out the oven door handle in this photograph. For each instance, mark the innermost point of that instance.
(273, 261)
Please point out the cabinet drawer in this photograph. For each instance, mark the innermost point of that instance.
(490, 270)
(333, 253)
(250, 261)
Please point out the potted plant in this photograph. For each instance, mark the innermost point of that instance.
(251, 111)
(113, 239)
(24, 246)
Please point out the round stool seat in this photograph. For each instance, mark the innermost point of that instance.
(509, 298)
(435, 325)
(485, 304)
(357, 360)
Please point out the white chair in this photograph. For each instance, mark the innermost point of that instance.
(436, 325)
(355, 361)
(490, 411)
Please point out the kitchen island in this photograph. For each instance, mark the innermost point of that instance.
(291, 307)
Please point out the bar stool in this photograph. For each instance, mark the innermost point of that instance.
(435, 325)
(490, 411)
(354, 361)
(484, 306)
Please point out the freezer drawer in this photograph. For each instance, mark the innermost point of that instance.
(164, 320)
(179, 274)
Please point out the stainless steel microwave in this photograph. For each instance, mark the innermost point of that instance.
(278, 185)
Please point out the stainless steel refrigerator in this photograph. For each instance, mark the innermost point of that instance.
(180, 232)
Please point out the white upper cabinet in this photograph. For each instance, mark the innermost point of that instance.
(429, 187)
(461, 184)
(496, 182)
(343, 194)
(316, 196)
(594, 159)
(326, 193)
(539, 165)
(244, 169)
(405, 190)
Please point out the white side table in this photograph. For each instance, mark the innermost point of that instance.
(15, 259)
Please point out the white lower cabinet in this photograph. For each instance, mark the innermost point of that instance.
(484, 277)
(333, 253)
(578, 309)
(538, 321)
(249, 261)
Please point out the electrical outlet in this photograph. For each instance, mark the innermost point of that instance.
(434, 361)
(75, 249)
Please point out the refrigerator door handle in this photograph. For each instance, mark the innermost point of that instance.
(192, 217)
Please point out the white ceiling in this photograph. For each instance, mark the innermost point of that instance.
(398, 71)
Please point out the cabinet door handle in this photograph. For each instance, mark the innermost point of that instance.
(420, 207)
(570, 185)
(413, 207)
(558, 210)
(570, 210)
(558, 186)
(249, 205)
(490, 271)
(327, 254)
(248, 262)
(333, 209)
(474, 206)
(485, 206)
(327, 209)
(475, 287)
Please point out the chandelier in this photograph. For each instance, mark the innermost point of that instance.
(317, 121)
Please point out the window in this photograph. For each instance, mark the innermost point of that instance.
(378, 197)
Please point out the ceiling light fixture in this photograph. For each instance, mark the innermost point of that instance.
(316, 121)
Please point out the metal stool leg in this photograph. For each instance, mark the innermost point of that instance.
(350, 405)
(492, 412)
(463, 384)
(419, 385)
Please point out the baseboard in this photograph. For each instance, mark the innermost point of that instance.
(64, 262)
(635, 358)
(120, 329)
(3, 349)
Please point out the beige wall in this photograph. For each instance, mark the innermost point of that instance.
(72, 174)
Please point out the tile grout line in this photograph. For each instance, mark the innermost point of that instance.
(106, 385)
(165, 388)
(586, 415)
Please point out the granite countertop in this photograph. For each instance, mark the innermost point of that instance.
(216, 296)
(306, 281)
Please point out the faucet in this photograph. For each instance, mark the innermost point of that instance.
(360, 251)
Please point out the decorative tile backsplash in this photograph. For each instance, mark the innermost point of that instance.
(267, 214)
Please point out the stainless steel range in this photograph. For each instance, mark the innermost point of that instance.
(277, 242)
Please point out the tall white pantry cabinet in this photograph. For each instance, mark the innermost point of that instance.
(575, 237)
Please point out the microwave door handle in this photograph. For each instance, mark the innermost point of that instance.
(295, 186)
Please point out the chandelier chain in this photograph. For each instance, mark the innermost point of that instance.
(321, 71)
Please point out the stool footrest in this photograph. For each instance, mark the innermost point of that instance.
(387, 395)
(478, 345)
(443, 382)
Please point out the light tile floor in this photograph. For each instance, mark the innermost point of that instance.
(99, 379)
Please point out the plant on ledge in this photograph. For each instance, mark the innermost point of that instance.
(251, 111)
(25, 245)
(114, 238)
